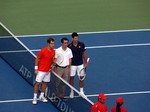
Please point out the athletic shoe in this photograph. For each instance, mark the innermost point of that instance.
(43, 99)
(34, 101)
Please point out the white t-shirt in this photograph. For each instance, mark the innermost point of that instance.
(67, 54)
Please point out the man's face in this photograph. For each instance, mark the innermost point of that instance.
(65, 43)
(75, 39)
(51, 44)
(101, 100)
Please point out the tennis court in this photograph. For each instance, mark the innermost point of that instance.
(119, 65)
(18, 56)
(117, 38)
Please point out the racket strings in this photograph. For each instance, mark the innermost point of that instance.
(82, 72)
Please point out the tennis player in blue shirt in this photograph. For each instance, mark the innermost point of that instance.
(79, 61)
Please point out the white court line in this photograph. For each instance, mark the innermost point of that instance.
(15, 51)
(109, 94)
(116, 31)
(123, 45)
(111, 46)
(92, 47)
(125, 93)
(20, 100)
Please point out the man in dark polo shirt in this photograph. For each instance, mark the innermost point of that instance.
(79, 60)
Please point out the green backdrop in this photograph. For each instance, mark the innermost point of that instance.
(65, 16)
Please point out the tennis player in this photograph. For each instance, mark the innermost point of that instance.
(118, 107)
(43, 63)
(62, 67)
(79, 54)
(100, 105)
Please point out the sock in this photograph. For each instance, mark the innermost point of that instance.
(42, 94)
(71, 90)
(81, 89)
(35, 95)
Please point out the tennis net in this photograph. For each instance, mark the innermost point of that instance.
(21, 59)
(77, 104)
(16, 54)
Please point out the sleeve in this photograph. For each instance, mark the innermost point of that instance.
(40, 54)
(71, 55)
(94, 108)
(113, 109)
(83, 47)
(56, 53)
(125, 110)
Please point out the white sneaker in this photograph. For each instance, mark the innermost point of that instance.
(82, 94)
(72, 94)
(34, 101)
(43, 99)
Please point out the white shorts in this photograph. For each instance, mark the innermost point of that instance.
(75, 69)
(43, 76)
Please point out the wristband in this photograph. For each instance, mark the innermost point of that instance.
(35, 67)
(87, 60)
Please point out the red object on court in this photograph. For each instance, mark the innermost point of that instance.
(119, 100)
(122, 109)
(99, 107)
(102, 96)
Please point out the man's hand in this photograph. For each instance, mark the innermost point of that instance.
(36, 71)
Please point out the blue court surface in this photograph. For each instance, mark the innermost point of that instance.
(119, 66)
(16, 94)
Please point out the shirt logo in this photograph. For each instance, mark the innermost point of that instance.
(79, 46)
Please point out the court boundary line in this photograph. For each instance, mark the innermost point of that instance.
(19, 100)
(119, 45)
(124, 93)
(94, 95)
(91, 47)
(113, 31)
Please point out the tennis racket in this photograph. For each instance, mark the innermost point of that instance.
(82, 72)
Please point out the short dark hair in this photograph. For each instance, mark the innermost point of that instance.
(74, 34)
(62, 40)
(49, 40)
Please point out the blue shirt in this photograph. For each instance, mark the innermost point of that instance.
(77, 52)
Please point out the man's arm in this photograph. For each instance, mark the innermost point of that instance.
(85, 59)
(36, 65)
(69, 67)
